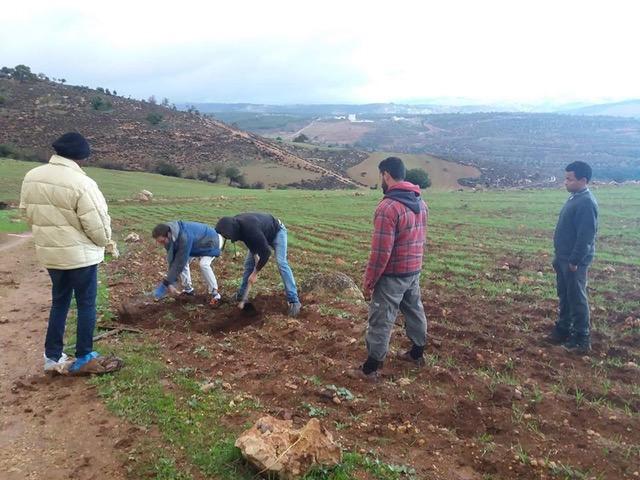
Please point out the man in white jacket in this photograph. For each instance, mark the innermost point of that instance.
(71, 226)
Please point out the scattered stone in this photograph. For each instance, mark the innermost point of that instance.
(517, 394)
(274, 447)
(145, 196)
(403, 382)
(336, 400)
(132, 238)
(207, 387)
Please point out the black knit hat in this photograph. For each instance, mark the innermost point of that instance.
(72, 145)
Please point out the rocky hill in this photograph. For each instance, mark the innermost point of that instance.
(141, 135)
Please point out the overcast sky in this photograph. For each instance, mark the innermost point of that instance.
(333, 51)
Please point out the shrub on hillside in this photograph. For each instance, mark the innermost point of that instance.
(3, 100)
(11, 151)
(154, 118)
(168, 169)
(419, 177)
(100, 104)
(302, 138)
(234, 175)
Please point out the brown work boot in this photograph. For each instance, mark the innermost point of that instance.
(407, 357)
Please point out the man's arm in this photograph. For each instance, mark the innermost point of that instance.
(94, 217)
(258, 245)
(586, 225)
(384, 233)
(180, 259)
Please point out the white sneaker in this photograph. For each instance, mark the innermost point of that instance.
(61, 366)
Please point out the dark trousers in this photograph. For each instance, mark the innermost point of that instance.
(573, 311)
(83, 282)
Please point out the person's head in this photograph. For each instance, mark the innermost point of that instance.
(73, 146)
(229, 228)
(577, 175)
(161, 233)
(392, 171)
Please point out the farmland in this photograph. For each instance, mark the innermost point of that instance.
(495, 401)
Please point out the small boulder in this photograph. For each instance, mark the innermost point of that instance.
(145, 196)
(331, 284)
(274, 447)
(132, 238)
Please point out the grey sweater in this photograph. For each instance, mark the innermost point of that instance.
(574, 239)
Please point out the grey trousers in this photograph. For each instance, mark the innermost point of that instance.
(573, 311)
(389, 295)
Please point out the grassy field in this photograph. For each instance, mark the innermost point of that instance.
(489, 292)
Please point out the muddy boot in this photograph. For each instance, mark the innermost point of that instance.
(558, 336)
(367, 372)
(188, 293)
(579, 345)
(215, 299)
(415, 356)
(294, 309)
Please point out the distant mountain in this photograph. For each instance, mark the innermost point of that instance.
(312, 110)
(628, 108)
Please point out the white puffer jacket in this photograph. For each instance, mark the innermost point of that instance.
(67, 213)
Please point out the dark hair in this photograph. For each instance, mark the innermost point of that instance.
(394, 167)
(160, 230)
(580, 170)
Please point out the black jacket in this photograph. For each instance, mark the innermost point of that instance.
(256, 230)
(574, 238)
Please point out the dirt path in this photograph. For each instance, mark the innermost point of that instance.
(53, 428)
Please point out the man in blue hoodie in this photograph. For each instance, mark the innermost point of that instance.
(184, 241)
(574, 244)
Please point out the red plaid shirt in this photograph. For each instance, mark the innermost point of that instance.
(398, 239)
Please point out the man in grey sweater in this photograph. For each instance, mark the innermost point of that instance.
(574, 245)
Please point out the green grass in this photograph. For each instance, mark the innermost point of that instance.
(471, 235)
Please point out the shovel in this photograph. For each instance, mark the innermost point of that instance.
(245, 305)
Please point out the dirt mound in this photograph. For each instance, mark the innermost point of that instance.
(336, 283)
(195, 314)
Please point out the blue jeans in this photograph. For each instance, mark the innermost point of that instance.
(573, 309)
(280, 248)
(83, 282)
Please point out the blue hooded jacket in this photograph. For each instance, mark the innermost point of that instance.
(189, 239)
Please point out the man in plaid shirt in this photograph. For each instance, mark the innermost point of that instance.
(392, 278)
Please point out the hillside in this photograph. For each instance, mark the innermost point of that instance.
(137, 135)
(629, 108)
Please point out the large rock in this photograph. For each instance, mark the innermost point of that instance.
(133, 237)
(274, 447)
(331, 283)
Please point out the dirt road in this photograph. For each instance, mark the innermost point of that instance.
(53, 428)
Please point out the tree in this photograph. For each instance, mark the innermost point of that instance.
(154, 118)
(419, 177)
(233, 174)
(302, 138)
(152, 100)
(165, 102)
(23, 73)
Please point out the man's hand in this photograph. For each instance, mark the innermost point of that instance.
(253, 277)
(573, 268)
(367, 292)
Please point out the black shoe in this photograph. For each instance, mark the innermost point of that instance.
(188, 293)
(578, 345)
(558, 337)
